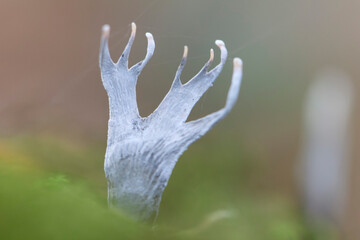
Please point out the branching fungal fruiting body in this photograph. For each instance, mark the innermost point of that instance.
(142, 152)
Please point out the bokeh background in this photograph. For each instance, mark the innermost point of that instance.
(238, 182)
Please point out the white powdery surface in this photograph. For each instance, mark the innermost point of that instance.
(142, 152)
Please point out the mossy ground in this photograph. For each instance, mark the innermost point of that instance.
(55, 189)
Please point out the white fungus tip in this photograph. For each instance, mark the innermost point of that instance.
(185, 52)
(149, 35)
(211, 55)
(238, 63)
(106, 30)
(133, 29)
(220, 43)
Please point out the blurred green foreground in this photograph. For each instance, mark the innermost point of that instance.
(56, 189)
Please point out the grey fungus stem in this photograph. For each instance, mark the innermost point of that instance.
(124, 58)
(104, 57)
(137, 68)
(142, 152)
(177, 81)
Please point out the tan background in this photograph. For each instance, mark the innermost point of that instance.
(50, 79)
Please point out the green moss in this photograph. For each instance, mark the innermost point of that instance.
(56, 189)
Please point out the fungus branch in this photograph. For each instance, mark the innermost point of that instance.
(142, 152)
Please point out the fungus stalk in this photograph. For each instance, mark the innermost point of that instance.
(325, 158)
(142, 152)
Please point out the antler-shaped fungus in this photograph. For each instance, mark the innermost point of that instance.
(142, 152)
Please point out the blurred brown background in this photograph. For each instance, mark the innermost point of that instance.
(50, 81)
